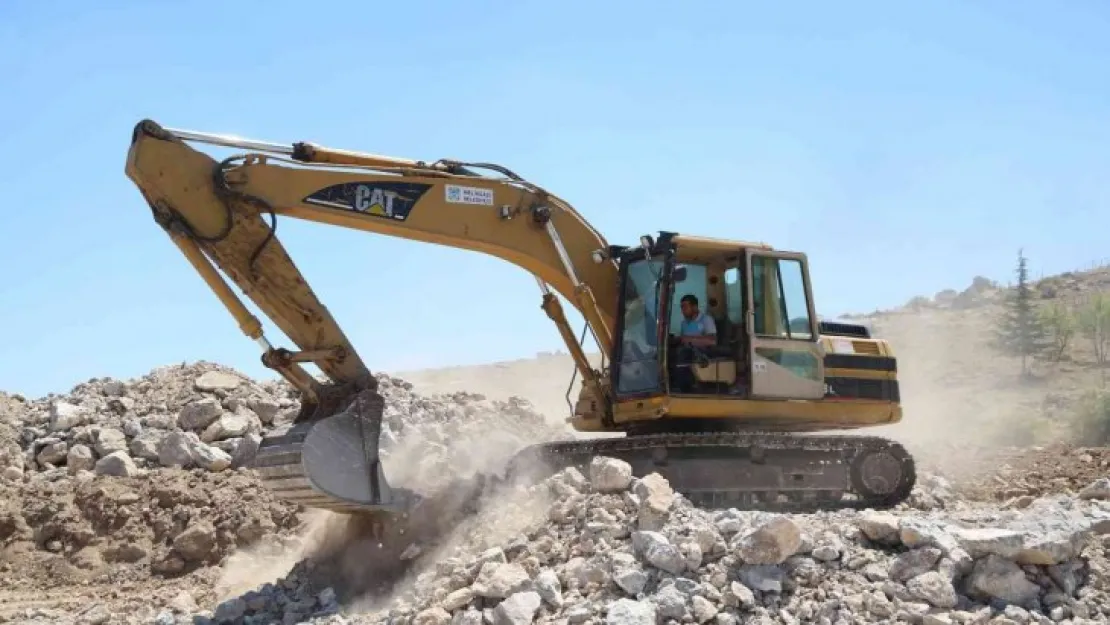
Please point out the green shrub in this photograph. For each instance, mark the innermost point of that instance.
(1092, 422)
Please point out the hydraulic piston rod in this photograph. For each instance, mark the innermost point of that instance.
(232, 141)
(305, 152)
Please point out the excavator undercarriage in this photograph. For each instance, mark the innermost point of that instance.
(732, 418)
(751, 470)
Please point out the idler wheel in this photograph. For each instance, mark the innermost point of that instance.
(883, 476)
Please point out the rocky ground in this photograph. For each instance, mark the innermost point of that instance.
(127, 502)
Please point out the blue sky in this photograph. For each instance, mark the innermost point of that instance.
(905, 149)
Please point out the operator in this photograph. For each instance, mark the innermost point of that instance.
(697, 330)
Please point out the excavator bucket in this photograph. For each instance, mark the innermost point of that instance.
(333, 463)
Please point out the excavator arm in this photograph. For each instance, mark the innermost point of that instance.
(222, 215)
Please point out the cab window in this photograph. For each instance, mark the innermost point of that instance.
(734, 295)
(779, 293)
(695, 284)
(637, 368)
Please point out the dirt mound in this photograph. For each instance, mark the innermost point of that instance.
(1004, 474)
(140, 484)
(167, 523)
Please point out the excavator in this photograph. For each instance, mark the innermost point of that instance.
(757, 414)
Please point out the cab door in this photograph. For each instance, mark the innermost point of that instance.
(785, 355)
(638, 362)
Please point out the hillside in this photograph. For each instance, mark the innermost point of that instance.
(956, 380)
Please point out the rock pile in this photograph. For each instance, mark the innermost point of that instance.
(213, 418)
(129, 496)
(607, 547)
(192, 416)
(145, 480)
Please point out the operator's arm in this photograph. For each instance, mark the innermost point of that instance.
(709, 336)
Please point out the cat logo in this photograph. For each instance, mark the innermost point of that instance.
(374, 200)
(386, 200)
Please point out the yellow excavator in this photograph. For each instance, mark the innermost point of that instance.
(731, 417)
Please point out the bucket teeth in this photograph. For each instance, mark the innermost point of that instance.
(333, 463)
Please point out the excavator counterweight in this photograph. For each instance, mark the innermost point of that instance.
(716, 367)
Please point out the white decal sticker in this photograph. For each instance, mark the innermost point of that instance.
(759, 367)
(842, 346)
(469, 195)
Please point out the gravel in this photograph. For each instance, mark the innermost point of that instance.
(129, 502)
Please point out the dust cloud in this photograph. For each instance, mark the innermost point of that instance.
(465, 506)
(960, 398)
(253, 566)
(962, 401)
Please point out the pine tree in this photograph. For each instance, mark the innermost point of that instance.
(1021, 331)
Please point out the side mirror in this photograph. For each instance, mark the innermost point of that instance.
(679, 274)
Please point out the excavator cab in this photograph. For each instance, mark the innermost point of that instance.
(766, 332)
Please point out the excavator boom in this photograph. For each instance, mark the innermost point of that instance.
(222, 216)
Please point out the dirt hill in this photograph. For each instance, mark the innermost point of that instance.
(960, 388)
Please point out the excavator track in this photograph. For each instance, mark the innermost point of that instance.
(749, 470)
(744, 470)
